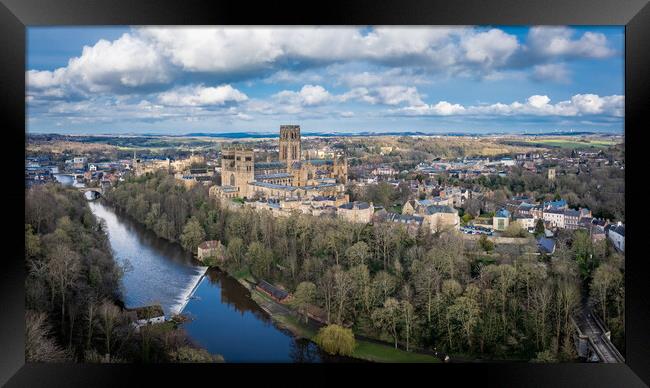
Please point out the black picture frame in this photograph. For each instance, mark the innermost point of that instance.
(15, 15)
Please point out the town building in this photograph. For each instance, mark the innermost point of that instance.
(546, 245)
(436, 216)
(211, 248)
(356, 212)
(501, 220)
(616, 234)
(274, 292)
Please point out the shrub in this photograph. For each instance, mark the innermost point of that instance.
(335, 339)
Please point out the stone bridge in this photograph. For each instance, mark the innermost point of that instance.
(593, 340)
(97, 190)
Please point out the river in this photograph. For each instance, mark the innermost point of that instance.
(224, 319)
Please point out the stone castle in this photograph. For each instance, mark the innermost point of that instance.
(291, 177)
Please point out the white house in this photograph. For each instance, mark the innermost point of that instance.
(555, 217)
(616, 235)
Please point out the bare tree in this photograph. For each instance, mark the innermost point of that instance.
(39, 346)
(63, 268)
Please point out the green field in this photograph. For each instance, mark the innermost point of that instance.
(572, 144)
(382, 353)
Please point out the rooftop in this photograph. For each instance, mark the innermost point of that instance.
(273, 290)
(355, 205)
(432, 209)
(210, 244)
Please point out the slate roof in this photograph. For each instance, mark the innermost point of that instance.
(274, 176)
(355, 205)
(546, 245)
(271, 289)
(439, 209)
(620, 229)
(502, 213)
(559, 203)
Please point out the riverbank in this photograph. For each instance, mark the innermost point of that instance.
(287, 319)
(283, 317)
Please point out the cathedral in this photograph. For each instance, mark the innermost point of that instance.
(291, 177)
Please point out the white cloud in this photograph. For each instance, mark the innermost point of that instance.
(118, 66)
(556, 72)
(536, 105)
(490, 48)
(201, 96)
(559, 42)
(150, 58)
(386, 95)
(309, 95)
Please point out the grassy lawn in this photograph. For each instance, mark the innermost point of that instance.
(383, 353)
(294, 325)
(243, 274)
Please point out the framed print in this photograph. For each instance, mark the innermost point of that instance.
(443, 190)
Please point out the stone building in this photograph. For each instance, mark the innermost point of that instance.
(551, 174)
(290, 147)
(289, 177)
(501, 220)
(237, 169)
(356, 211)
(211, 248)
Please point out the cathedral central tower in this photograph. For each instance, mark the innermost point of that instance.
(290, 149)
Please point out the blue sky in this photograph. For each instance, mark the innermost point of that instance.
(176, 80)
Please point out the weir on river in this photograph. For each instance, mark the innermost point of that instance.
(224, 319)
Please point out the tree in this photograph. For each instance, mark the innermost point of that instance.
(606, 279)
(235, 251)
(545, 356)
(485, 244)
(109, 316)
(335, 339)
(357, 254)
(426, 280)
(539, 227)
(465, 313)
(260, 259)
(387, 318)
(193, 235)
(303, 297)
(39, 346)
(472, 207)
(63, 268)
(408, 321)
(32, 242)
(190, 354)
(342, 288)
(514, 229)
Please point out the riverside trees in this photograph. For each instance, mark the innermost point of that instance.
(72, 286)
(416, 291)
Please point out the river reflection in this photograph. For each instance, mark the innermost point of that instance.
(229, 322)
